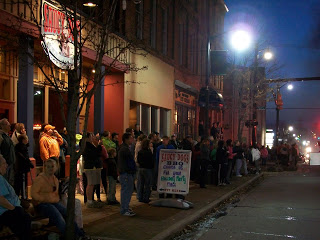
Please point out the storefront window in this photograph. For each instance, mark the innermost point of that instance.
(35, 73)
(2, 60)
(4, 89)
(55, 117)
(38, 105)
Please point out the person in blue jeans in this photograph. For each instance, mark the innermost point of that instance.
(145, 162)
(127, 169)
(45, 198)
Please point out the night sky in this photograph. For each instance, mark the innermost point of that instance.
(290, 28)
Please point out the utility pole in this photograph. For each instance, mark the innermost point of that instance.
(208, 73)
(252, 96)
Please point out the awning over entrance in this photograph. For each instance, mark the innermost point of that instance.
(185, 86)
(215, 98)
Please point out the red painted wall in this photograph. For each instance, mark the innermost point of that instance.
(91, 113)
(114, 103)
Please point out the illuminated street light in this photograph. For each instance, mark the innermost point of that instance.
(290, 87)
(268, 55)
(240, 40)
(290, 128)
(90, 4)
(304, 143)
(293, 135)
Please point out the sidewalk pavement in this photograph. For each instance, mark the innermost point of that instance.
(156, 222)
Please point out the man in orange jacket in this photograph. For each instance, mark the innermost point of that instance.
(50, 143)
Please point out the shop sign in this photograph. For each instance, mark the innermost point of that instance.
(174, 171)
(185, 98)
(56, 29)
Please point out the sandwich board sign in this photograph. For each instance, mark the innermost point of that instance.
(174, 171)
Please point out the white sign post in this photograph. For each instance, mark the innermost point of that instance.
(174, 171)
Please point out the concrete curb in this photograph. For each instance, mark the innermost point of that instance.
(179, 226)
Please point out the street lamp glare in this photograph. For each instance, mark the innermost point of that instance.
(290, 87)
(268, 55)
(240, 40)
(290, 128)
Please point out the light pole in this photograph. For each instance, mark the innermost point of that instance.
(279, 105)
(253, 123)
(240, 40)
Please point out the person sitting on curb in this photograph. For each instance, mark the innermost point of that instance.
(11, 212)
(45, 198)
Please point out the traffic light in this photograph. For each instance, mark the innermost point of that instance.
(279, 101)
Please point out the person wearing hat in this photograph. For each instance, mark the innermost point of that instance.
(50, 143)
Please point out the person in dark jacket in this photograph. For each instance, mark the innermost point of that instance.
(145, 174)
(22, 166)
(237, 149)
(214, 131)
(201, 129)
(92, 167)
(204, 161)
(127, 169)
(187, 143)
(173, 141)
(222, 158)
(7, 149)
(112, 175)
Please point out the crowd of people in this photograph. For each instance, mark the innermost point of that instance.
(104, 161)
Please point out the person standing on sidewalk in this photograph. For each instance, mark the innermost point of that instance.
(264, 155)
(112, 175)
(92, 168)
(7, 150)
(256, 157)
(127, 169)
(50, 143)
(215, 163)
(239, 157)
(204, 161)
(230, 160)
(145, 162)
(222, 158)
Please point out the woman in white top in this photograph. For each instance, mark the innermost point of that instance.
(256, 157)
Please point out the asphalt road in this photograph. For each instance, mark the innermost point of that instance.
(285, 206)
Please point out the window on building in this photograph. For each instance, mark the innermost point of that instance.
(2, 60)
(35, 72)
(38, 112)
(55, 108)
(186, 43)
(192, 51)
(4, 89)
(153, 23)
(164, 122)
(139, 20)
(165, 31)
(181, 44)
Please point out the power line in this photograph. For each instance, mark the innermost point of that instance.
(301, 108)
